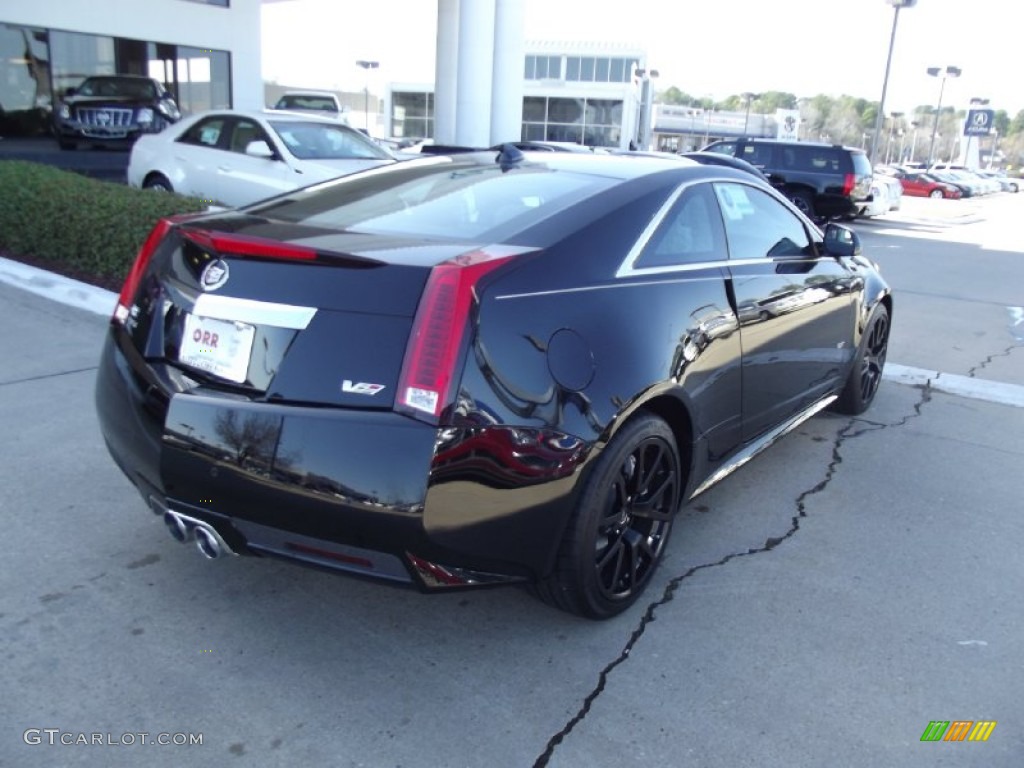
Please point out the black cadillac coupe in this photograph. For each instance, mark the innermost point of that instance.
(481, 368)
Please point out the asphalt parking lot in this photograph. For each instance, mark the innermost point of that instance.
(821, 607)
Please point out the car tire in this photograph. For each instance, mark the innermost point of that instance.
(935, 194)
(157, 182)
(803, 201)
(1013, 188)
(621, 523)
(65, 144)
(866, 371)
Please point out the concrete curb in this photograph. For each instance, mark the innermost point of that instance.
(73, 293)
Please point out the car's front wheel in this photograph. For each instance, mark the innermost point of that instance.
(935, 194)
(157, 182)
(866, 372)
(621, 523)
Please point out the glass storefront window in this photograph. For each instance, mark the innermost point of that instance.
(534, 109)
(75, 56)
(25, 98)
(412, 115)
(617, 68)
(203, 79)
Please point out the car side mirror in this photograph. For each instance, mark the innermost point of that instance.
(260, 148)
(841, 241)
(70, 91)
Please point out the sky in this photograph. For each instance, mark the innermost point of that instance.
(716, 49)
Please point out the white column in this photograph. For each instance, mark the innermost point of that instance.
(475, 67)
(507, 79)
(446, 71)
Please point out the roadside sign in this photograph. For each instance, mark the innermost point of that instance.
(979, 122)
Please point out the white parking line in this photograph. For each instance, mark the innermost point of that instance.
(101, 302)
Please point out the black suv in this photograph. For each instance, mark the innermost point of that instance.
(113, 110)
(825, 181)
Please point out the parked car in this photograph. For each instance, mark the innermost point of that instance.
(551, 146)
(824, 181)
(481, 368)
(234, 158)
(323, 103)
(717, 158)
(1006, 184)
(113, 110)
(895, 191)
(920, 184)
(966, 177)
(967, 189)
(886, 195)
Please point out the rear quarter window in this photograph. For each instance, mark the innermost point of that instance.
(861, 164)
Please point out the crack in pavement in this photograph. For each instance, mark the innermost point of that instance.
(1005, 353)
(43, 376)
(854, 428)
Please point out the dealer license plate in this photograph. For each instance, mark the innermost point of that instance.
(220, 347)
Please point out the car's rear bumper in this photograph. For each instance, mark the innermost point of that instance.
(341, 488)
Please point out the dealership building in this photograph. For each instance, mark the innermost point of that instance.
(207, 52)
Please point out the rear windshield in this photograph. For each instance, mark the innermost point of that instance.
(295, 101)
(861, 164)
(439, 199)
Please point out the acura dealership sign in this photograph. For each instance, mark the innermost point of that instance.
(979, 122)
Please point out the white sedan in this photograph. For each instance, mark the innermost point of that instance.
(233, 158)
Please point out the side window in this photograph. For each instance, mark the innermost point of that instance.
(204, 133)
(819, 159)
(691, 232)
(758, 226)
(242, 133)
(757, 154)
(723, 148)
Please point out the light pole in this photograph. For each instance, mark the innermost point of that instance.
(748, 97)
(892, 130)
(943, 73)
(367, 66)
(913, 144)
(897, 5)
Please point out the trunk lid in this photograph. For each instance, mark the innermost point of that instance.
(281, 311)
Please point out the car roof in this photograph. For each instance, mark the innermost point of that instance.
(616, 166)
(762, 140)
(275, 115)
(309, 93)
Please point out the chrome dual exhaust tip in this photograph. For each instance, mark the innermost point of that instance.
(184, 528)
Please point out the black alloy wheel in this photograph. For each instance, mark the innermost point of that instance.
(866, 372)
(621, 524)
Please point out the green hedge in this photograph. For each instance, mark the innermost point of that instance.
(91, 227)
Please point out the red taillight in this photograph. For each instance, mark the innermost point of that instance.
(429, 368)
(244, 245)
(849, 182)
(131, 283)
